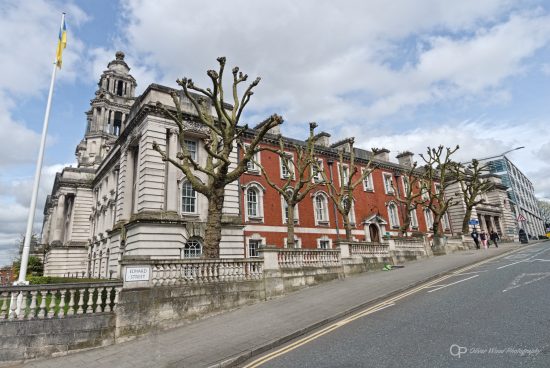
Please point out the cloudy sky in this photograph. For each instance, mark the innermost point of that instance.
(400, 74)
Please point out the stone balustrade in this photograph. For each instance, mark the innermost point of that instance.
(369, 250)
(298, 258)
(57, 300)
(181, 271)
(415, 244)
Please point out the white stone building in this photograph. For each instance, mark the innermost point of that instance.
(495, 213)
(122, 199)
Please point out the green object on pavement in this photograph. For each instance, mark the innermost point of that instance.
(387, 267)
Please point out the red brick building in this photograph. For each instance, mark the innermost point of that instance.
(375, 211)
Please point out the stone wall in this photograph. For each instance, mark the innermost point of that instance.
(145, 309)
(29, 339)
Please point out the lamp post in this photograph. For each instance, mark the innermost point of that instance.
(500, 155)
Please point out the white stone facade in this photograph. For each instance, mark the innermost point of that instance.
(495, 213)
(123, 200)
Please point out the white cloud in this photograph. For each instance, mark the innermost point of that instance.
(18, 141)
(15, 196)
(477, 139)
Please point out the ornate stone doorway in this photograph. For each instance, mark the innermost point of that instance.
(374, 233)
(374, 227)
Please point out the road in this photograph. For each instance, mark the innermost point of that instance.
(496, 314)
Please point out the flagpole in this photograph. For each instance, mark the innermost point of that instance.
(28, 234)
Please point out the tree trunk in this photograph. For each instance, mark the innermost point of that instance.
(290, 226)
(437, 219)
(347, 227)
(406, 223)
(466, 221)
(213, 233)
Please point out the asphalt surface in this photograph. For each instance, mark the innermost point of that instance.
(493, 315)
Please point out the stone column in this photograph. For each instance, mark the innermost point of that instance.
(493, 225)
(127, 193)
(171, 184)
(46, 230)
(482, 225)
(344, 249)
(366, 228)
(59, 218)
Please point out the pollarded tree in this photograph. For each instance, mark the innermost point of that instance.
(220, 142)
(299, 179)
(410, 198)
(342, 194)
(438, 173)
(472, 186)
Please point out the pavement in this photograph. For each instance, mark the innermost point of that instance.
(230, 338)
(492, 315)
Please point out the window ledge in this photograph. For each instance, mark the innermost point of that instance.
(253, 172)
(322, 223)
(368, 190)
(255, 219)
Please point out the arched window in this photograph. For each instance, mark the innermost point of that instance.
(346, 202)
(188, 198)
(117, 123)
(192, 248)
(414, 219)
(445, 221)
(252, 203)
(393, 215)
(284, 206)
(321, 209)
(429, 218)
(107, 256)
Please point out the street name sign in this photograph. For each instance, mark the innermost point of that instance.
(136, 274)
(474, 222)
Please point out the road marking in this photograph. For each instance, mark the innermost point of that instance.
(453, 283)
(469, 273)
(530, 259)
(377, 307)
(524, 260)
(515, 283)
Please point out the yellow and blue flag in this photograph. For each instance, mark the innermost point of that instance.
(61, 44)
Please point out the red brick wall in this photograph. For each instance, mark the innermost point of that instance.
(366, 204)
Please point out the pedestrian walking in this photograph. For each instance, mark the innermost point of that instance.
(483, 237)
(494, 237)
(475, 236)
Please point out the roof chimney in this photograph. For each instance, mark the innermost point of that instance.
(382, 154)
(405, 158)
(344, 144)
(322, 139)
(276, 130)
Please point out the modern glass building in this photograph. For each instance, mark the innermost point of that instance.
(521, 194)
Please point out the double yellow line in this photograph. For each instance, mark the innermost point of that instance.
(375, 308)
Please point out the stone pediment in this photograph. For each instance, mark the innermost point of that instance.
(375, 218)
